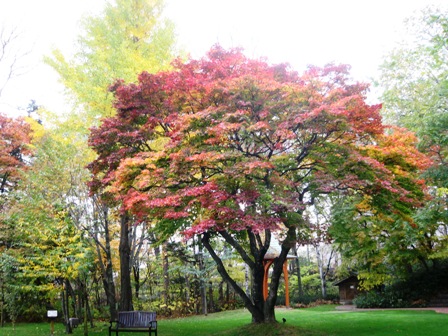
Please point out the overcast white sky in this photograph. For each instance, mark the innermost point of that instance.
(299, 32)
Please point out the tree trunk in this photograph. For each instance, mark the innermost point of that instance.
(187, 288)
(88, 312)
(86, 329)
(321, 272)
(299, 275)
(66, 308)
(202, 281)
(211, 303)
(108, 282)
(71, 293)
(221, 293)
(137, 238)
(2, 305)
(104, 255)
(152, 239)
(136, 271)
(247, 280)
(166, 278)
(125, 265)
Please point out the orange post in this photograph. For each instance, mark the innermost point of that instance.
(267, 264)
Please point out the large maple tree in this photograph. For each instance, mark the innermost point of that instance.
(235, 149)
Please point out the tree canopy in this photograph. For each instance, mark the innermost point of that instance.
(125, 39)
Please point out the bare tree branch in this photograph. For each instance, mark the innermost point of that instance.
(12, 55)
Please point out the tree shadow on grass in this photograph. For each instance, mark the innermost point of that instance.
(274, 329)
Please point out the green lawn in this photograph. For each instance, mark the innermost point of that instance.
(319, 321)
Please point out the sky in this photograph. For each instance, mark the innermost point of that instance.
(298, 32)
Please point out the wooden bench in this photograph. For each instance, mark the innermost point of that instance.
(134, 321)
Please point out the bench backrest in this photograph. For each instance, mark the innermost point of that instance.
(137, 319)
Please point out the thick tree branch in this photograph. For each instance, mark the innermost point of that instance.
(225, 275)
(230, 240)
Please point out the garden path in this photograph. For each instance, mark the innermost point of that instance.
(442, 310)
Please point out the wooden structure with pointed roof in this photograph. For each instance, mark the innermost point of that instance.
(272, 253)
(348, 289)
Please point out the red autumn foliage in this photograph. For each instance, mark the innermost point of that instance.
(14, 138)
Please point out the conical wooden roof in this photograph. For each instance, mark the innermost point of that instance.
(274, 250)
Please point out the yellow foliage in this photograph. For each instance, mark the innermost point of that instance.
(159, 143)
(369, 280)
(442, 192)
(38, 130)
(364, 205)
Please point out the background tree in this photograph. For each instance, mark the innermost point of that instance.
(377, 241)
(248, 147)
(14, 138)
(125, 39)
(319, 221)
(414, 79)
(48, 248)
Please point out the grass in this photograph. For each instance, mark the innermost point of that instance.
(318, 321)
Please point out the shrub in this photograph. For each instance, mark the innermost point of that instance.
(384, 299)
